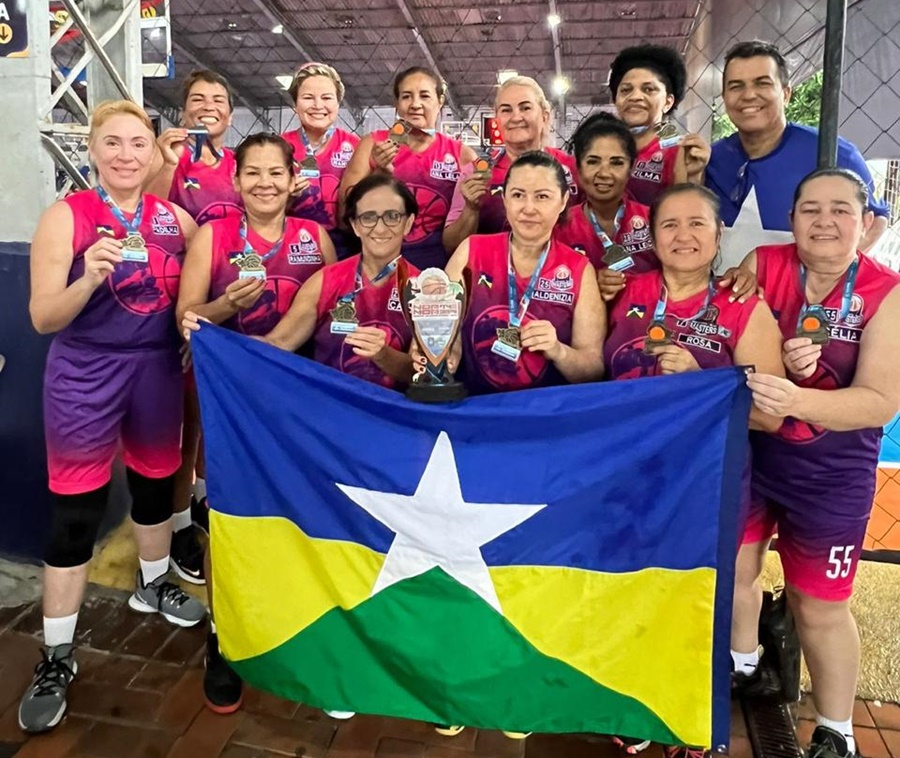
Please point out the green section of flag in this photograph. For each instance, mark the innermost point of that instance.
(430, 649)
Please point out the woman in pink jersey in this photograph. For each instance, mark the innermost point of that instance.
(192, 166)
(647, 84)
(523, 117)
(321, 150)
(535, 317)
(814, 480)
(105, 265)
(425, 160)
(675, 319)
(243, 272)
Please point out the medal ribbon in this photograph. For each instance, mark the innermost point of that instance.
(659, 313)
(197, 147)
(599, 231)
(131, 227)
(638, 130)
(846, 294)
(307, 145)
(248, 248)
(385, 272)
(516, 314)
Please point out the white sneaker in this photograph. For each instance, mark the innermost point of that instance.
(342, 715)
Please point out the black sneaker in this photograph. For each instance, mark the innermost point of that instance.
(763, 685)
(222, 688)
(827, 743)
(200, 513)
(778, 636)
(186, 555)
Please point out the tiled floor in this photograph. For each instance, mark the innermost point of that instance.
(138, 695)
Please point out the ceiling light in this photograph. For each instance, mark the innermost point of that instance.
(278, 29)
(285, 80)
(561, 85)
(553, 20)
(231, 25)
(506, 74)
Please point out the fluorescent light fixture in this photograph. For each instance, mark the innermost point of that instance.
(285, 80)
(278, 29)
(506, 74)
(553, 20)
(561, 85)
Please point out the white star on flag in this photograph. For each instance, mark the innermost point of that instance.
(747, 233)
(435, 527)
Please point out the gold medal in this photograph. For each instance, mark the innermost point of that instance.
(251, 266)
(814, 326)
(399, 133)
(343, 317)
(658, 335)
(510, 335)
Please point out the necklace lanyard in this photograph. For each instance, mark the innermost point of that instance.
(517, 312)
(639, 130)
(385, 272)
(846, 294)
(310, 152)
(131, 227)
(197, 144)
(248, 248)
(659, 314)
(599, 231)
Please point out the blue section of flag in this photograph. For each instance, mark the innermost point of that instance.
(890, 444)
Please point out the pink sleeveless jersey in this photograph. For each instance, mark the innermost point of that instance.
(431, 176)
(376, 305)
(135, 307)
(554, 299)
(492, 215)
(319, 202)
(711, 337)
(653, 171)
(577, 232)
(206, 192)
(298, 259)
(803, 463)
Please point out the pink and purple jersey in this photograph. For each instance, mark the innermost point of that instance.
(555, 295)
(711, 335)
(577, 231)
(206, 192)
(653, 172)
(299, 257)
(431, 176)
(319, 202)
(376, 305)
(804, 464)
(135, 307)
(492, 215)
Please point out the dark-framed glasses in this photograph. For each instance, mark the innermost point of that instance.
(370, 219)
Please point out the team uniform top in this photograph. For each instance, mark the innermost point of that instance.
(554, 298)
(578, 232)
(376, 305)
(298, 258)
(134, 308)
(431, 176)
(492, 213)
(710, 335)
(804, 464)
(654, 170)
(319, 202)
(206, 192)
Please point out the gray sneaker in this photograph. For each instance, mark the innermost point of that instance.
(167, 599)
(44, 702)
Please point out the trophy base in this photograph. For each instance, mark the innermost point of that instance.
(436, 393)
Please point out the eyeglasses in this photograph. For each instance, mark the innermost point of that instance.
(370, 219)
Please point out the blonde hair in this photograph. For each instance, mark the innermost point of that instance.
(309, 70)
(105, 111)
(525, 81)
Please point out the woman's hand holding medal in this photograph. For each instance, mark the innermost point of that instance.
(540, 337)
(383, 154)
(171, 144)
(474, 187)
(368, 342)
(299, 185)
(100, 260)
(243, 293)
(800, 356)
(611, 283)
(673, 359)
(696, 153)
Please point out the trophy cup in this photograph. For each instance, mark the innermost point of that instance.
(434, 308)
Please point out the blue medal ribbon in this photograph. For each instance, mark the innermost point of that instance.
(131, 227)
(517, 312)
(659, 313)
(846, 295)
(600, 232)
(197, 147)
(307, 145)
(248, 248)
(385, 272)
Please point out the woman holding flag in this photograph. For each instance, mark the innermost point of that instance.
(243, 272)
(523, 113)
(814, 480)
(322, 151)
(415, 153)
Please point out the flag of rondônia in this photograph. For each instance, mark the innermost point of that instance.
(554, 560)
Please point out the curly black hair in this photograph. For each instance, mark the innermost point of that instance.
(665, 62)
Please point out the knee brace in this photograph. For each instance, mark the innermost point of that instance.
(74, 526)
(151, 499)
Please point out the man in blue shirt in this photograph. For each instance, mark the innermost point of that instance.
(756, 170)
